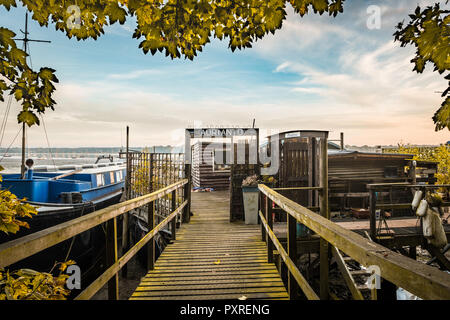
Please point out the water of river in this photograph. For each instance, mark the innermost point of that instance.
(12, 164)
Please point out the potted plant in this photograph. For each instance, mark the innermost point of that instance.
(250, 195)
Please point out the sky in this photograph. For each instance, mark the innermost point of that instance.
(317, 72)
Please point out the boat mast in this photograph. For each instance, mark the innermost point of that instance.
(25, 40)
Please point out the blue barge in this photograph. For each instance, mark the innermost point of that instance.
(61, 194)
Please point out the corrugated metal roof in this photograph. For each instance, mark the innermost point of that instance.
(381, 155)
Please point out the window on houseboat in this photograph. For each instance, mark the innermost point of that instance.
(119, 176)
(100, 180)
(111, 175)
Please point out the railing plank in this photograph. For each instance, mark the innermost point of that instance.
(21, 248)
(424, 281)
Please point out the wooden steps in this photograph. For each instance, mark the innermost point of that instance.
(213, 259)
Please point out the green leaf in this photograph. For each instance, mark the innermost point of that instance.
(28, 117)
(8, 4)
(18, 94)
(18, 56)
(115, 13)
(442, 117)
(6, 38)
(48, 74)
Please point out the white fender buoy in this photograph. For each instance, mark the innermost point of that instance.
(422, 209)
(416, 200)
(427, 223)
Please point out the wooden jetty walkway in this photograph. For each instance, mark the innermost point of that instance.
(212, 258)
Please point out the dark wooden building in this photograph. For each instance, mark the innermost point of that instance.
(349, 171)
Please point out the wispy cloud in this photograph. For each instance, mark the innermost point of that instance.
(134, 74)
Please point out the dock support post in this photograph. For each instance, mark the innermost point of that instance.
(268, 211)
(324, 211)
(111, 257)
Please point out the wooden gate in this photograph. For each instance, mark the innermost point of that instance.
(299, 167)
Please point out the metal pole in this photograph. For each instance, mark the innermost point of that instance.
(25, 45)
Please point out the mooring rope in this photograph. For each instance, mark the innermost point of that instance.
(5, 119)
(7, 150)
(48, 142)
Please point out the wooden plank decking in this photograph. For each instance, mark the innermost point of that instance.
(213, 259)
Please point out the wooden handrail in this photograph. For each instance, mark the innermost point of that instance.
(21, 248)
(422, 280)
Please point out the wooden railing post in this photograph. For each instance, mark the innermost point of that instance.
(174, 220)
(262, 199)
(324, 212)
(151, 243)
(292, 252)
(125, 237)
(372, 210)
(150, 218)
(111, 257)
(268, 211)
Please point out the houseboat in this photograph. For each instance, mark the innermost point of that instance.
(61, 194)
